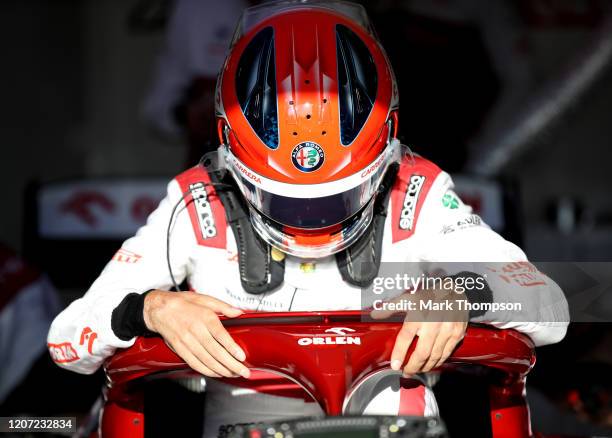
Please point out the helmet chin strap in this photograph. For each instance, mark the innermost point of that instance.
(360, 262)
(261, 269)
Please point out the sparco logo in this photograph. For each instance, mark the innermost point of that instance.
(203, 210)
(340, 338)
(410, 202)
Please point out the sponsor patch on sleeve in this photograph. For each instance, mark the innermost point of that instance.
(411, 198)
(450, 200)
(472, 220)
(89, 336)
(63, 353)
(206, 212)
(523, 274)
(125, 256)
(414, 180)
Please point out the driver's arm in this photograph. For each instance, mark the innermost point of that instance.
(450, 232)
(449, 238)
(82, 337)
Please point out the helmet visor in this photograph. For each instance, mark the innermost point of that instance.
(311, 206)
(316, 245)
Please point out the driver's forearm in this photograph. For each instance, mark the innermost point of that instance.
(81, 336)
(541, 310)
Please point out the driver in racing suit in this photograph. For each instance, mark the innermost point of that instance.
(308, 193)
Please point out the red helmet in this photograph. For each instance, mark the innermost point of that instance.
(307, 116)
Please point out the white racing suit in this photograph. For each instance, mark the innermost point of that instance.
(426, 222)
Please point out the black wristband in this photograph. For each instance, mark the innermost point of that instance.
(473, 295)
(127, 320)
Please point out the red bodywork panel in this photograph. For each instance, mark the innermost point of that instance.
(326, 368)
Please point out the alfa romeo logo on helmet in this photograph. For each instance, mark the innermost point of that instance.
(307, 156)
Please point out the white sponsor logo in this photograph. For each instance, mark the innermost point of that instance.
(410, 202)
(340, 338)
(340, 331)
(203, 210)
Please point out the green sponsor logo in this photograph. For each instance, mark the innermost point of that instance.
(451, 201)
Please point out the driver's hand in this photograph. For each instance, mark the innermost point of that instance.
(188, 322)
(438, 333)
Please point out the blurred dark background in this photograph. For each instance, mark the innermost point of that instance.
(80, 90)
(105, 101)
